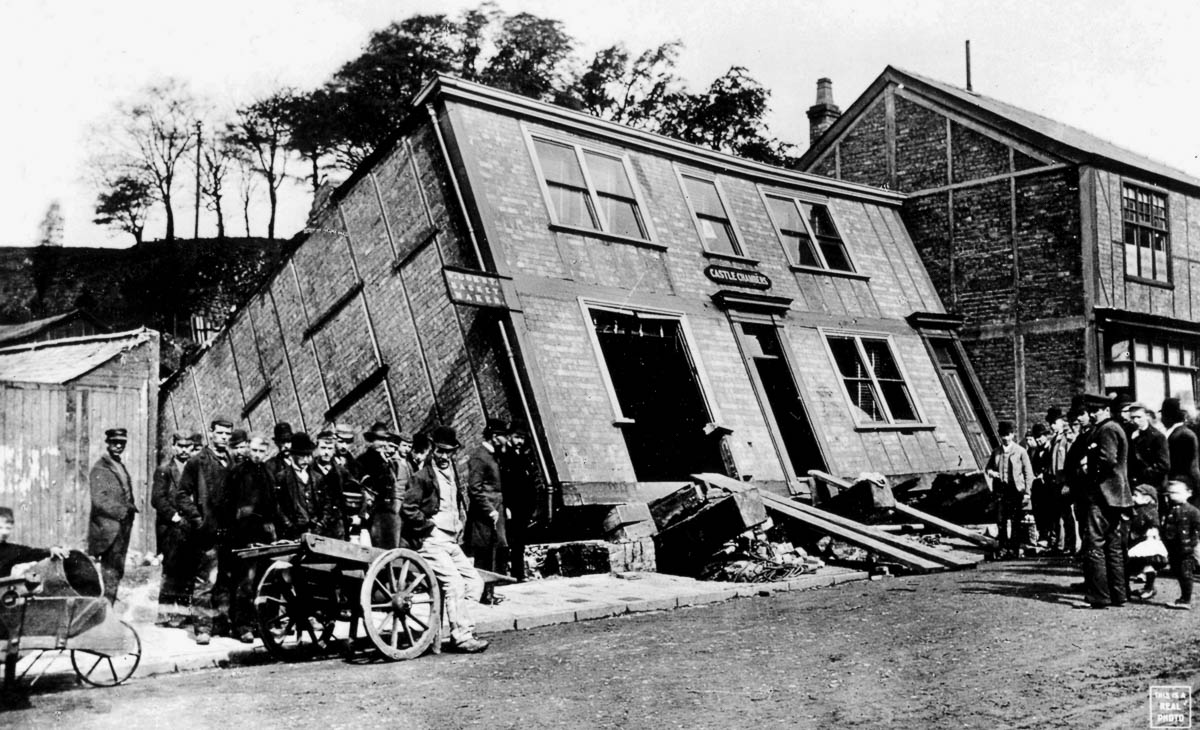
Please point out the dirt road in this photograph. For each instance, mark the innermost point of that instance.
(1001, 646)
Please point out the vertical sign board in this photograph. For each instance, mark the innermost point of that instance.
(474, 288)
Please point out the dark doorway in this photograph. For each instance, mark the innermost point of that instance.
(782, 405)
(967, 405)
(659, 393)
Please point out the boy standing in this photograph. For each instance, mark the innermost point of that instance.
(1011, 475)
(1180, 533)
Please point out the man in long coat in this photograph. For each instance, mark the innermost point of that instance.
(1108, 501)
(303, 506)
(113, 510)
(175, 594)
(1183, 449)
(486, 539)
(203, 504)
(381, 494)
(251, 488)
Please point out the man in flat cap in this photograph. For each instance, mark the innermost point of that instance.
(203, 504)
(382, 495)
(1108, 500)
(113, 510)
(176, 593)
(486, 538)
(432, 518)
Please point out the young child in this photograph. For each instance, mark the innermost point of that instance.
(1147, 553)
(1180, 532)
(12, 554)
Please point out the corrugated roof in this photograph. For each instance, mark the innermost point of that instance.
(60, 361)
(1065, 134)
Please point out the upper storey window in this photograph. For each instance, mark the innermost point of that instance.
(589, 190)
(1147, 234)
(712, 218)
(808, 234)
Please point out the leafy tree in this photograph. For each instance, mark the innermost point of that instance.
(530, 58)
(312, 128)
(124, 203)
(625, 91)
(50, 231)
(150, 138)
(728, 117)
(261, 130)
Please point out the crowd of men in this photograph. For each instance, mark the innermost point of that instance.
(232, 490)
(1111, 482)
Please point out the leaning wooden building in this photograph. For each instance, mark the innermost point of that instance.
(651, 308)
(56, 400)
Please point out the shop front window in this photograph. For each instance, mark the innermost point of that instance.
(1151, 369)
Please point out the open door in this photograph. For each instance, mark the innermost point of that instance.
(782, 405)
(663, 411)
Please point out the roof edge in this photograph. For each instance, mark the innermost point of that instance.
(141, 334)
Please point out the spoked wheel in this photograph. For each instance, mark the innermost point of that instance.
(109, 668)
(288, 630)
(401, 604)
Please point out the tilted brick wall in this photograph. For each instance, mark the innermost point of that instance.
(363, 292)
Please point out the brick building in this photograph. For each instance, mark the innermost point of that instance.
(1070, 260)
(652, 308)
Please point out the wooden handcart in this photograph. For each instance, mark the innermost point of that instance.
(315, 585)
(57, 611)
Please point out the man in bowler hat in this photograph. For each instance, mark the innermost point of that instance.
(113, 510)
(486, 538)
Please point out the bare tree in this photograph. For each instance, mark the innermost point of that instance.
(247, 183)
(261, 130)
(216, 161)
(151, 136)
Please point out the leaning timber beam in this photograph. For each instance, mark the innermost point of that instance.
(936, 524)
(818, 521)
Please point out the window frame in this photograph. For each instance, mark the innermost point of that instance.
(797, 198)
(892, 424)
(707, 393)
(1133, 250)
(594, 197)
(736, 233)
(1133, 364)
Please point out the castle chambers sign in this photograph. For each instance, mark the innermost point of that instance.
(737, 277)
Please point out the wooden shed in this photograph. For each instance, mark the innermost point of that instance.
(56, 400)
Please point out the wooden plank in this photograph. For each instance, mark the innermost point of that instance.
(947, 528)
(903, 551)
(934, 523)
(684, 547)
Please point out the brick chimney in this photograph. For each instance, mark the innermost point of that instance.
(824, 113)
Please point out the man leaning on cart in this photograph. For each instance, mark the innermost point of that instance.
(432, 518)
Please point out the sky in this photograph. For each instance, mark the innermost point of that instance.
(1119, 69)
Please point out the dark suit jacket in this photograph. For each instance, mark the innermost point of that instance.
(1107, 464)
(203, 497)
(1073, 474)
(1184, 453)
(112, 503)
(1149, 459)
(305, 507)
(485, 494)
(251, 490)
(422, 500)
(163, 495)
(378, 478)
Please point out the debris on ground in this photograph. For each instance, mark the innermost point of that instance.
(752, 559)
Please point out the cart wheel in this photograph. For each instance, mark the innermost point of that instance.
(287, 629)
(401, 604)
(101, 669)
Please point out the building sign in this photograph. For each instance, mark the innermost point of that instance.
(737, 277)
(476, 289)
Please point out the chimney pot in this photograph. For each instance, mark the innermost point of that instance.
(824, 113)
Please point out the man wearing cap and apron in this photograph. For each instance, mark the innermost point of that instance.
(113, 509)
